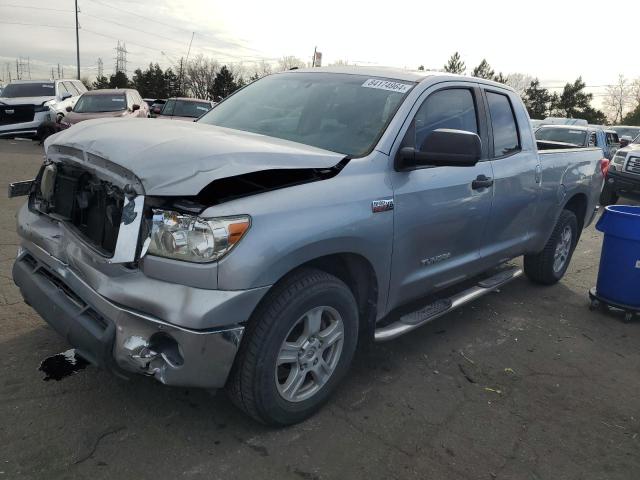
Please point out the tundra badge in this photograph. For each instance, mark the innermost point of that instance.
(382, 205)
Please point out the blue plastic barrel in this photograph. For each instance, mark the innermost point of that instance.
(619, 274)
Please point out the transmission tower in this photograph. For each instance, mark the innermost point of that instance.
(121, 58)
(22, 69)
(100, 68)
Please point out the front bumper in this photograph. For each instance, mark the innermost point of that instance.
(26, 128)
(623, 182)
(120, 339)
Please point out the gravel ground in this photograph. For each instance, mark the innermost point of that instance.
(526, 383)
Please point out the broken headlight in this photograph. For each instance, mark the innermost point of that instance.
(193, 239)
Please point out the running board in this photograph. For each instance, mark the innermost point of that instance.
(413, 320)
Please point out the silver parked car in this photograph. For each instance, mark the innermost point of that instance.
(26, 104)
(254, 248)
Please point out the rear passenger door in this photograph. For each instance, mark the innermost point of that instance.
(517, 176)
(439, 217)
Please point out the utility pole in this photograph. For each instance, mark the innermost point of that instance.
(58, 70)
(182, 66)
(100, 68)
(77, 42)
(313, 59)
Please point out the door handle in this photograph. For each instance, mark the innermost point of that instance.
(481, 181)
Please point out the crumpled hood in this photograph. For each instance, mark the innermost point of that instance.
(26, 100)
(181, 158)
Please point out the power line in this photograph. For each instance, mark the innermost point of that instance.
(34, 8)
(133, 28)
(176, 27)
(37, 24)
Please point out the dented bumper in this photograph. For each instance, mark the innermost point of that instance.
(119, 339)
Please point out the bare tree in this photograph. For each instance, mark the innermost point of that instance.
(519, 82)
(200, 74)
(260, 69)
(618, 99)
(289, 62)
(635, 93)
(340, 63)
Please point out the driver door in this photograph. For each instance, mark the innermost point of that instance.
(440, 213)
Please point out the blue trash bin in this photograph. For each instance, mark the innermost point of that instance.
(619, 274)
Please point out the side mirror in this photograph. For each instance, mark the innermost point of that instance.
(69, 108)
(135, 107)
(65, 95)
(157, 109)
(442, 148)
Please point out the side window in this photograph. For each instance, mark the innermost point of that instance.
(71, 88)
(452, 108)
(503, 121)
(593, 140)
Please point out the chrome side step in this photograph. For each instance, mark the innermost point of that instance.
(413, 320)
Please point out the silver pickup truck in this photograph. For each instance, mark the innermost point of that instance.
(255, 248)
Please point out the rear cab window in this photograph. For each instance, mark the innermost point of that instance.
(506, 139)
(71, 88)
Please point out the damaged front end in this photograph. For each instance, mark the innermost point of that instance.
(88, 223)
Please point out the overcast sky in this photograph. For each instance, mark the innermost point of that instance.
(554, 40)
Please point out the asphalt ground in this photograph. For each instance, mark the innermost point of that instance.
(526, 383)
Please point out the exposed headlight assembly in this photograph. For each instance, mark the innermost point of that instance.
(193, 239)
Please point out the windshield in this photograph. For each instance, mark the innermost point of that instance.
(100, 103)
(40, 89)
(564, 135)
(627, 131)
(185, 108)
(338, 112)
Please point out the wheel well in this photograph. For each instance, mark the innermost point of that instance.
(578, 205)
(357, 272)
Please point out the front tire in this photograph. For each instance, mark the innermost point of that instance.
(297, 347)
(550, 265)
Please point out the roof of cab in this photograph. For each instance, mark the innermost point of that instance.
(395, 74)
(109, 91)
(45, 81)
(586, 128)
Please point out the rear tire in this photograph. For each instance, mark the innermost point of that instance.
(608, 196)
(550, 265)
(287, 365)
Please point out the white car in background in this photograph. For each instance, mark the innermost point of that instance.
(25, 104)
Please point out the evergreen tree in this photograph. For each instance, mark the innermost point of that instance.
(455, 64)
(100, 82)
(119, 80)
(500, 78)
(483, 70)
(224, 84)
(572, 101)
(537, 100)
(633, 117)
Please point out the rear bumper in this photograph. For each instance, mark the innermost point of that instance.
(117, 338)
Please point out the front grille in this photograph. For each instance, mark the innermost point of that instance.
(633, 165)
(90, 205)
(10, 114)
